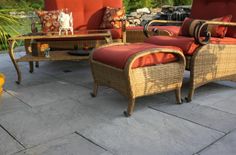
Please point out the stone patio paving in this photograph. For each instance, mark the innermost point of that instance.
(52, 113)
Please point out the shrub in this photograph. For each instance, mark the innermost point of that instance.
(132, 5)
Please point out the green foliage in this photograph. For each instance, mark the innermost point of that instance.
(182, 2)
(21, 4)
(7, 28)
(132, 5)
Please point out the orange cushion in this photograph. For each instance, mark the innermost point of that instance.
(49, 20)
(187, 44)
(118, 55)
(109, 17)
(189, 24)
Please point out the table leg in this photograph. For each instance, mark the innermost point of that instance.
(12, 56)
(31, 65)
(29, 51)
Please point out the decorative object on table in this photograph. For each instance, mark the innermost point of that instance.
(38, 48)
(47, 54)
(66, 22)
(2, 81)
(49, 21)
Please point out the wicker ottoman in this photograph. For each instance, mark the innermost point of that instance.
(138, 69)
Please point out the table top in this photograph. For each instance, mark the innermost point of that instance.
(77, 34)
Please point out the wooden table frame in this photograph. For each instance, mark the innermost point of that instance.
(55, 56)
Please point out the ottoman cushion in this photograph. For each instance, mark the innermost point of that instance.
(118, 55)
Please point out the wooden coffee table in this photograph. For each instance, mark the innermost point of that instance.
(54, 55)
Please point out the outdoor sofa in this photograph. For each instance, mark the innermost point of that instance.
(87, 15)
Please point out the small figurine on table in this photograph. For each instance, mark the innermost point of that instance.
(47, 54)
(66, 22)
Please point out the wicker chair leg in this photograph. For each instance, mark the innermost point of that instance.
(130, 109)
(233, 78)
(31, 65)
(190, 95)
(95, 90)
(178, 96)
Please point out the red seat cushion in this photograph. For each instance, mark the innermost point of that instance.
(187, 44)
(118, 55)
(173, 30)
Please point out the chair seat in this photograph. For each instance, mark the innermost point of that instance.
(187, 44)
(118, 55)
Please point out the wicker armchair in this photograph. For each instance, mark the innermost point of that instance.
(208, 58)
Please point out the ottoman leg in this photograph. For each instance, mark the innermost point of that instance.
(130, 109)
(95, 90)
(178, 96)
(190, 94)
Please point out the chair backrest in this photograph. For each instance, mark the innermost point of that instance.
(209, 9)
(87, 14)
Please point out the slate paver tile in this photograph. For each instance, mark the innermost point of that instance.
(7, 144)
(225, 146)
(204, 115)
(71, 144)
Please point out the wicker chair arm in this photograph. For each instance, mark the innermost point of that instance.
(131, 60)
(207, 35)
(146, 26)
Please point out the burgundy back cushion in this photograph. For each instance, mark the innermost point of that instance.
(209, 9)
(87, 14)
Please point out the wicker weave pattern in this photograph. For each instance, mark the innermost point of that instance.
(142, 81)
(113, 77)
(212, 62)
(153, 79)
(135, 36)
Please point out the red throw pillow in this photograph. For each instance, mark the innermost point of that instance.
(187, 28)
(49, 20)
(110, 16)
